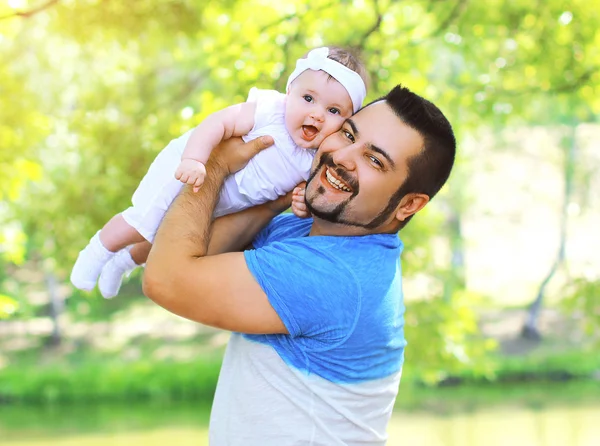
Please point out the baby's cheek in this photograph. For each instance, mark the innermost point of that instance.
(336, 125)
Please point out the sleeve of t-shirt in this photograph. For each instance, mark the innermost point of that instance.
(314, 293)
(264, 234)
(281, 227)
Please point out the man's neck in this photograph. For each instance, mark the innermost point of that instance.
(324, 227)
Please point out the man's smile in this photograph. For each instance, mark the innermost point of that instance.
(335, 181)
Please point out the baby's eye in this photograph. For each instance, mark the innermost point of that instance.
(308, 98)
(376, 161)
(348, 135)
(334, 111)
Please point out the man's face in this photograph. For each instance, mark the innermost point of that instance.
(357, 170)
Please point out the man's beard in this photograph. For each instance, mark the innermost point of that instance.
(331, 215)
(335, 215)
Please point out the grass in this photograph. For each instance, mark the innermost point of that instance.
(110, 379)
(91, 377)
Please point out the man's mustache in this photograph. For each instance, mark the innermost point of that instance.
(327, 160)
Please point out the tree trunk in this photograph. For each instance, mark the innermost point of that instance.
(530, 328)
(56, 308)
(456, 279)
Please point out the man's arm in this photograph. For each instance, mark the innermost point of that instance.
(235, 232)
(217, 290)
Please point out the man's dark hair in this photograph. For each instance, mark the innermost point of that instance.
(430, 168)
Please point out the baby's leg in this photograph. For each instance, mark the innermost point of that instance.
(150, 201)
(118, 234)
(114, 236)
(122, 264)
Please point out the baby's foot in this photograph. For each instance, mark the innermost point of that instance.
(89, 264)
(112, 273)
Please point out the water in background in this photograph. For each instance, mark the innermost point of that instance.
(186, 424)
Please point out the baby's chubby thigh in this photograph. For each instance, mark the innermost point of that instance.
(157, 190)
(159, 185)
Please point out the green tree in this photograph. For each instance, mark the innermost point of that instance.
(92, 90)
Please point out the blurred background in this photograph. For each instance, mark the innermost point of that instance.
(501, 271)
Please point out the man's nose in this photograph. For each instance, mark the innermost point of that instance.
(345, 157)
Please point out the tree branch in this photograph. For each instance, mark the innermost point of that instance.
(295, 15)
(33, 11)
(376, 26)
(457, 10)
(287, 59)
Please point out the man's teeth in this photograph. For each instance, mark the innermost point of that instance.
(336, 183)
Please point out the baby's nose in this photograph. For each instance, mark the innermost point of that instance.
(317, 114)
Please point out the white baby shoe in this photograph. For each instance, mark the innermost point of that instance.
(112, 274)
(89, 264)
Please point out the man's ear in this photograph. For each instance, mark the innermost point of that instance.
(410, 205)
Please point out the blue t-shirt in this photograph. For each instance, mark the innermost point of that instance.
(339, 297)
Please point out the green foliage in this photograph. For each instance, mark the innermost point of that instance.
(444, 339)
(99, 87)
(8, 306)
(105, 379)
(581, 300)
(90, 91)
(555, 366)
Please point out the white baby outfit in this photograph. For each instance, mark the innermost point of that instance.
(271, 173)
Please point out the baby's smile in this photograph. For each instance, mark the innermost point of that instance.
(309, 132)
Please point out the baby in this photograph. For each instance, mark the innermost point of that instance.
(327, 87)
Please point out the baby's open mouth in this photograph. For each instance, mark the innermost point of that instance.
(309, 132)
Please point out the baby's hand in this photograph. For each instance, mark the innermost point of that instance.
(298, 204)
(191, 172)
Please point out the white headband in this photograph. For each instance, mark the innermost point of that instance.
(317, 60)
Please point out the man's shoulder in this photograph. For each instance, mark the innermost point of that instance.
(286, 240)
(283, 227)
(294, 230)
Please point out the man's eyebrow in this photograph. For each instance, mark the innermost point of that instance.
(370, 146)
(383, 153)
(351, 123)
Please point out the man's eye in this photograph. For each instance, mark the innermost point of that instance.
(376, 161)
(348, 135)
(308, 98)
(334, 111)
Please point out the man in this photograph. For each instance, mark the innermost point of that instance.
(316, 307)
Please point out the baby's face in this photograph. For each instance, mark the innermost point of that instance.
(316, 106)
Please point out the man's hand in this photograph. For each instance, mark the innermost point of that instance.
(192, 172)
(233, 154)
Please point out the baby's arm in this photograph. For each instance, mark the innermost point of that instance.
(236, 120)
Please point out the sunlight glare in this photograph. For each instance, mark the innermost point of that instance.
(565, 18)
(187, 112)
(17, 4)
